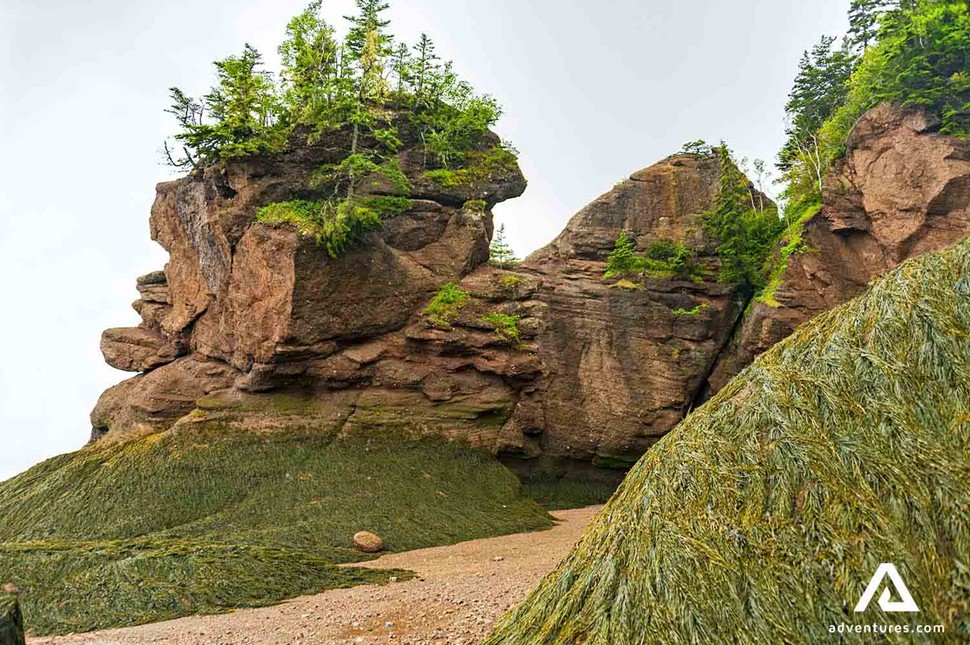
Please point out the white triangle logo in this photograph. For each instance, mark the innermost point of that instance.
(904, 604)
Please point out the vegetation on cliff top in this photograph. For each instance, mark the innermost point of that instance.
(365, 88)
(912, 53)
(327, 84)
(204, 520)
(745, 225)
(766, 512)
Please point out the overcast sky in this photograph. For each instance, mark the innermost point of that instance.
(592, 91)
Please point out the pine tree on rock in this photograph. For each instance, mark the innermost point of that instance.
(623, 259)
(500, 253)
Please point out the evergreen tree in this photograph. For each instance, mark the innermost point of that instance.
(424, 67)
(369, 20)
(745, 233)
(623, 259)
(864, 19)
(500, 253)
(310, 71)
(361, 83)
(820, 88)
(244, 110)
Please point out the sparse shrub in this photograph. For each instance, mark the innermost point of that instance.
(506, 326)
(478, 170)
(500, 254)
(476, 205)
(446, 305)
(335, 224)
(623, 259)
(510, 282)
(665, 258)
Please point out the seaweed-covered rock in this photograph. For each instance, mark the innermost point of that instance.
(763, 516)
(11, 620)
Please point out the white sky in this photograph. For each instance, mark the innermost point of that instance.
(592, 90)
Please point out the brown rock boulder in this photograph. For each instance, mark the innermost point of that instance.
(154, 401)
(900, 190)
(134, 349)
(368, 542)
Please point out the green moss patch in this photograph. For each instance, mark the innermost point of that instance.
(763, 516)
(792, 243)
(334, 224)
(479, 168)
(446, 306)
(505, 326)
(207, 519)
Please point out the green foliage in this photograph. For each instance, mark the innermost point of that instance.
(347, 176)
(698, 147)
(665, 258)
(209, 519)
(335, 224)
(506, 326)
(446, 305)
(919, 60)
(479, 169)
(623, 259)
(791, 243)
(243, 112)
(500, 254)
(820, 88)
(475, 205)
(864, 19)
(330, 85)
(765, 513)
(745, 232)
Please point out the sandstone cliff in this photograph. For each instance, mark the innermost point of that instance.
(900, 190)
(253, 326)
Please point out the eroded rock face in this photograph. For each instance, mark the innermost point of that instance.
(900, 190)
(270, 332)
(623, 365)
(246, 306)
(254, 327)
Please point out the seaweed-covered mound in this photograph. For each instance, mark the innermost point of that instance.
(204, 520)
(764, 515)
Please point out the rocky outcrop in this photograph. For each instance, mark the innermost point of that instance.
(900, 190)
(256, 327)
(622, 363)
(243, 307)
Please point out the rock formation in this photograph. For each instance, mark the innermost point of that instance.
(254, 326)
(900, 190)
(763, 516)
